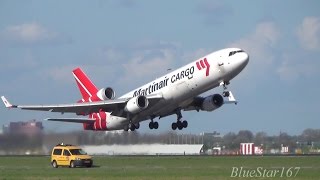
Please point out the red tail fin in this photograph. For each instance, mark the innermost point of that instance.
(86, 87)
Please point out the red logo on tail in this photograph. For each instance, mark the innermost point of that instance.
(203, 64)
(86, 87)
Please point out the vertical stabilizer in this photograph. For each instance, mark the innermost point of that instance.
(86, 87)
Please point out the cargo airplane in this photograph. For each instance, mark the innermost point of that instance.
(170, 94)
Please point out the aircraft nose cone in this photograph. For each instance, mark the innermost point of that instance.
(245, 60)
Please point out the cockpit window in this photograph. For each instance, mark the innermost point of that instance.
(234, 52)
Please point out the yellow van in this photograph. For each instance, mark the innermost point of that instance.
(69, 155)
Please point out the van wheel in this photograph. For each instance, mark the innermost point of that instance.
(72, 165)
(54, 164)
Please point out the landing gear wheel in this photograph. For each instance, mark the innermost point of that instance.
(174, 126)
(151, 125)
(137, 125)
(226, 94)
(155, 125)
(184, 124)
(179, 124)
(131, 127)
(126, 128)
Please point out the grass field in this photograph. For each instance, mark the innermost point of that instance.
(165, 167)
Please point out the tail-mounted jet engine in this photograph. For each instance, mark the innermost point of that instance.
(106, 94)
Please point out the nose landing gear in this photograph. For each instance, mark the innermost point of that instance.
(228, 94)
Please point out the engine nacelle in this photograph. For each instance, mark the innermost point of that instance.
(136, 104)
(212, 102)
(106, 94)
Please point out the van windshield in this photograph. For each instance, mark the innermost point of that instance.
(77, 152)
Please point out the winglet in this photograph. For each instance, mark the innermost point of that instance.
(7, 103)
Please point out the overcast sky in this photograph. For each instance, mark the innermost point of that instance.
(125, 43)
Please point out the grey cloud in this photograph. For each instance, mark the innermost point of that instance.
(122, 66)
(266, 55)
(31, 34)
(298, 65)
(261, 45)
(309, 33)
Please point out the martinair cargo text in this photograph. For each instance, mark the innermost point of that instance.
(170, 94)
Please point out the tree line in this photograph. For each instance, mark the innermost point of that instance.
(15, 142)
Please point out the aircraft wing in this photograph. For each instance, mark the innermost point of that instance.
(73, 120)
(85, 108)
(78, 108)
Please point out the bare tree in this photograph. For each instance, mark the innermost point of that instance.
(260, 138)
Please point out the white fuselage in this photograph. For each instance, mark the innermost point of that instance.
(180, 86)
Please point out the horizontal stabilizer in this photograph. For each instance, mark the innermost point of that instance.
(73, 120)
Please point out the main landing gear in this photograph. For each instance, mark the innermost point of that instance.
(179, 124)
(153, 124)
(132, 127)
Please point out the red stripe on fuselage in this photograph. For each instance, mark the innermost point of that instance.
(103, 116)
(97, 121)
(100, 120)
